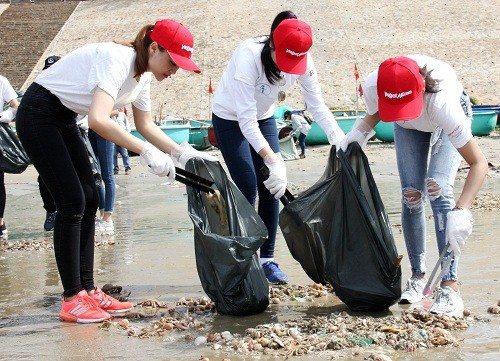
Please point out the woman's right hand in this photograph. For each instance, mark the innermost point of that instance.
(159, 163)
(276, 183)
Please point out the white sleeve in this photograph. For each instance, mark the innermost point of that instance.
(370, 93)
(7, 91)
(108, 73)
(296, 121)
(246, 111)
(311, 91)
(143, 100)
(452, 119)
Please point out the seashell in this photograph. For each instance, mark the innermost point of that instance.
(274, 301)
(217, 346)
(226, 335)
(124, 323)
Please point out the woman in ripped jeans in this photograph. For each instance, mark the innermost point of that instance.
(432, 113)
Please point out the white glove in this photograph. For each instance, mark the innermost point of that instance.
(360, 133)
(159, 163)
(189, 152)
(332, 131)
(83, 123)
(458, 228)
(276, 183)
(8, 115)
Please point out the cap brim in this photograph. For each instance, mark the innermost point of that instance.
(393, 112)
(184, 63)
(297, 66)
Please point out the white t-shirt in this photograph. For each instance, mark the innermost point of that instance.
(108, 66)
(245, 95)
(299, 123)
(7, 92)
(442, 110)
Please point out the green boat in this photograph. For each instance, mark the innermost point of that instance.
(385, 131)
(317, 136)
(198, 134)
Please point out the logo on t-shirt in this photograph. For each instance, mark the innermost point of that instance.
(264, 89)
(294, 53)
(397, 95)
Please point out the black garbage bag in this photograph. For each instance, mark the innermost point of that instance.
(13, 158)
(227, 234)
(340, 233)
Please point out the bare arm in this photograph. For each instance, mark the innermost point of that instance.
(371, 120)
(145, 125)
(473, 155)
(101, 123)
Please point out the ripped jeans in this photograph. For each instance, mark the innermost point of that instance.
(421, 181)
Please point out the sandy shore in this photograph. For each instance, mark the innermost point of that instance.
(464, 33)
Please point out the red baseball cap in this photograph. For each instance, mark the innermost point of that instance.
(400, 89)
(176, 39)
(292, 39)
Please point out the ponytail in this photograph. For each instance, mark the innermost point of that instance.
(141, 46)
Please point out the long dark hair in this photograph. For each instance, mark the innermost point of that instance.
(270, 69)
(431, 84)
(141, 46)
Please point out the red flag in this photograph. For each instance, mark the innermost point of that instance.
(360, 90)
(356, 72)
(210, 89)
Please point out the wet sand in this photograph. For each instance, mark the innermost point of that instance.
(153, 257)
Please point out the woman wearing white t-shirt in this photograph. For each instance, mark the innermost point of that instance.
(432, 113)
(7, 95)
(243, 108)
(93, 80)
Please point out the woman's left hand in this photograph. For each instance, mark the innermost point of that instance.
(187, 152)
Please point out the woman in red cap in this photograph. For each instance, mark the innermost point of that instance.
(432, 112)
(93, 80)
(243, 108)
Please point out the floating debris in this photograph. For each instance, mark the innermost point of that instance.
(45, 244)
(416, 329)
(298, 293)
(26, 245)
(494, 309)
(116, 291)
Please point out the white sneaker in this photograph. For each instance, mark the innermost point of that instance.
(448, 302)
(104, 228)
(414, 291)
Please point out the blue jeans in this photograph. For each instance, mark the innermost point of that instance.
(302, 143)
(244, 165)
(419, 181)
(125, 157)
(104, 151)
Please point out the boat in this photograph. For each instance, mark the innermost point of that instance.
(345, 120)
(177, 130)
(198, 134)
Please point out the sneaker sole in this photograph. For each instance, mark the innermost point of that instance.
(118, 312)
(66, 317)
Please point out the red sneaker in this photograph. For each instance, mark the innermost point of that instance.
(110, 304)
(81, 309)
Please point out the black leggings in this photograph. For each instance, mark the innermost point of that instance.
(2, 193)
(50, 136)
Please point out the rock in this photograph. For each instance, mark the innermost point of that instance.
(467, 312)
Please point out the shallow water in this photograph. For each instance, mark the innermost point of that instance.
(153, 257)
